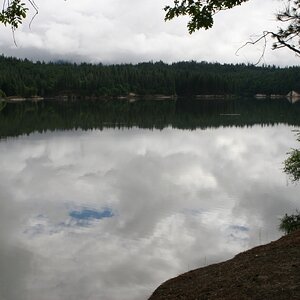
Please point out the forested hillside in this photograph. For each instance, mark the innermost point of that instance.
(25, 78)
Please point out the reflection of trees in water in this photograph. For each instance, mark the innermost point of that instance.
(26, 117)
(2, 105)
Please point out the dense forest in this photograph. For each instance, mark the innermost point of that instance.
(185, 113)
(26, 78)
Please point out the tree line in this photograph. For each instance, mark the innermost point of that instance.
(26, 78)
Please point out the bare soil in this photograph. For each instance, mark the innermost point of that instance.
(270, 271)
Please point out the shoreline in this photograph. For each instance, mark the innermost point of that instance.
(135, 97)
(270, 271)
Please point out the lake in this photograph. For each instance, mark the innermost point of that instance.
(106, 200)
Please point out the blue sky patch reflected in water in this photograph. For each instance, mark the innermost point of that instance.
(90, 214)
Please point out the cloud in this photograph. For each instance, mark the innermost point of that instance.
(15, 260)
(134, 31)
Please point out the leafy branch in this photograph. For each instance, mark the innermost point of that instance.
(15, 11)
(202, 12)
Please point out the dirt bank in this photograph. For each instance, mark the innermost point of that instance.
(270, 271)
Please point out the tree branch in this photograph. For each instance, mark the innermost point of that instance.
(285, 44)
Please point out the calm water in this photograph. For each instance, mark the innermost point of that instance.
(113, 211)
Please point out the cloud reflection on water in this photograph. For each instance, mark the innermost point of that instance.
(177, 200)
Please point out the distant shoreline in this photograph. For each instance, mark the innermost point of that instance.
(134, 97)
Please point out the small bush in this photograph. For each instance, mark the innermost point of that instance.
(292, 164)
(290, 223)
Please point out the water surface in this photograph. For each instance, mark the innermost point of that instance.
(110, 213)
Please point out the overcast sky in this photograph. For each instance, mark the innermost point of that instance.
(122, 31)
